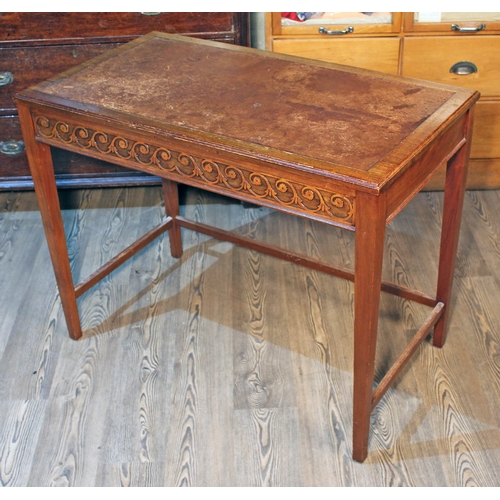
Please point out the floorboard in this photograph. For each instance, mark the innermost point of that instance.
(227, 367)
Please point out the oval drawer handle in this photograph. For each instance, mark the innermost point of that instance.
(456, 27)
(324, 31)
(11, 147)
(463, 68)
(151, 13)
(6, 78)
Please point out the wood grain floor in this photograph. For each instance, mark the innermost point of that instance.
(230, 368)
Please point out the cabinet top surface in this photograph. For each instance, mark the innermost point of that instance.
(298, 111)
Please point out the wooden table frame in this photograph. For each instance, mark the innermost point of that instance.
(362, 201)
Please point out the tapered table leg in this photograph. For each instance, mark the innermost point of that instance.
(42, 171)
(370, 229)
(456, 178)
(171, 199)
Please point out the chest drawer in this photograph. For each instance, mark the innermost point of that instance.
(486, 134)
(68, 167)
(12, 155)
(27, 26)
(379, 54)
(25, 66)
(431, 58)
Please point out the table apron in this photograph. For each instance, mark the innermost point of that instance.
(424, 166)
(259, 182)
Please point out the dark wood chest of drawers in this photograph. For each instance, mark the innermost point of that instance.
(37, 46)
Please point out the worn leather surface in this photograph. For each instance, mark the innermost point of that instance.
(344, 117)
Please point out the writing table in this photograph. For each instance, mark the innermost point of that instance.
(340, 145)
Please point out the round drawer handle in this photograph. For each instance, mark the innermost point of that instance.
(6, 78)
(12, 147)
(456, 27)
(324, 31)
(463, 68)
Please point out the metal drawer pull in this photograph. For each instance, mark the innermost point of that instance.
(456, 27)
(11, 147)
(463, 68)
(6, 78)
(349, 29)
(151, 13)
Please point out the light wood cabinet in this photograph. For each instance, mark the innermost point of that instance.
(454, 48)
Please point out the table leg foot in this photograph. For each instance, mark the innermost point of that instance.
(42, 171)
(171, 199)
(370, 229)
(456, 177)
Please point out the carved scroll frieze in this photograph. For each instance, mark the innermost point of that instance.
(276, 190)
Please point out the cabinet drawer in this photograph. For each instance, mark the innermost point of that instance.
(431, 58)
(12, 164)
(31, 65)
(73, 25)
(71, 169)
(486, 134)
(10, 129)
(452, 22)
(379, 54)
